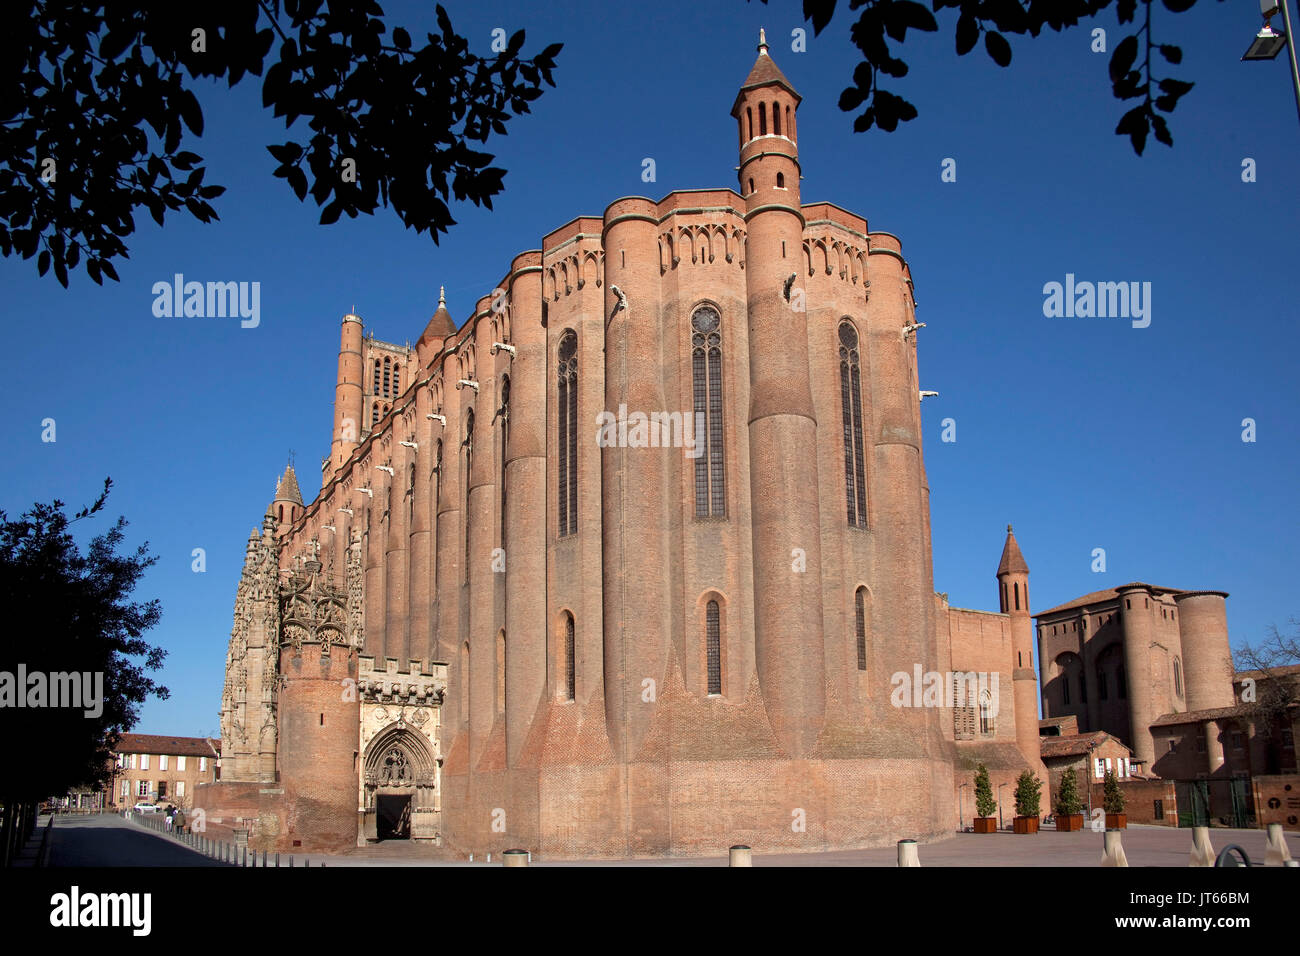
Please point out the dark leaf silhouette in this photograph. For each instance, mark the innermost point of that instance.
(881, 21)
(106, 93)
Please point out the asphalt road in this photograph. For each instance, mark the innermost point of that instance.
(108, 840)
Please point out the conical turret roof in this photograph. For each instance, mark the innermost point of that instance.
(764, 73)
(1013, 562)
(287, 487)
(441, 324)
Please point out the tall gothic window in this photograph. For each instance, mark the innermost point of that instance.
(374, 415)
(469, 463)
(397, 380)
(706, 374)
(570, 665)
(504, 414)
(860, 627)
(986, 714)
(855, 482)
(387, 371)
(1178, 677)
(713, 645)
(433, 510)
(378, 377)
(567, 486)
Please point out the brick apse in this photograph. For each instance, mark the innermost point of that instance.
(632, 561)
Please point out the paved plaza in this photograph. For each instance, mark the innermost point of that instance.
(109, 840)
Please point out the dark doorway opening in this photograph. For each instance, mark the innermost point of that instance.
(393, 816)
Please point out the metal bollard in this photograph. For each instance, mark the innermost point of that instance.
(907, 853)
(514, 858)
(1202, 850)
(740, 855)
(1276, 852)
(1114, 852)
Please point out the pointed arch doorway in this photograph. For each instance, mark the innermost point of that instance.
(400, 783)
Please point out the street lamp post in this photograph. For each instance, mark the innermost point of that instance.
(1267, 44)
(961, 807)
(1000, 786)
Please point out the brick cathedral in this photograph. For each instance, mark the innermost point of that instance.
(506, 622)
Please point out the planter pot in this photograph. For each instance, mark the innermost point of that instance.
(1069, 821)
(986, 824)
(1025, 824)
(1117, 821)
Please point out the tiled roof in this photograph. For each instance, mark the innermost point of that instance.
(1196, 716)
(1073, 745)
(1103, 596)
(1287, 670)
(157, 744)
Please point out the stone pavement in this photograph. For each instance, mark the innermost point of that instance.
(1143, 845)
(109, 840)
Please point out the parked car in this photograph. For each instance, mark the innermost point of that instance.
(143, 807)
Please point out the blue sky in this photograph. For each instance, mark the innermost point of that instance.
(1084, 432)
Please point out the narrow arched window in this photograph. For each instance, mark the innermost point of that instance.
(860, 627)
(397, 380)
(780, 180)
(501, 672)
(464, 683)
(1015, 591)
(378, 377)
(570, 664)
(776, 118)
(374, 415)
(749, 114)
(567, 486)
(706, 377)
(789, 130)
(762, 119)
(855, 481)
(751, 184)
(713, 646)
(387, 373)
(1178, 677)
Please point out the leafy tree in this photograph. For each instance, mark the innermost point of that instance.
(69, 612)
(1068, 802)
(985, 805)
(1028, 789)
(1132, 73)
(97, 100)
(1112, 796)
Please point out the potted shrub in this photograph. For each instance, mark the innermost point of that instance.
(1069, 808)
(1113, 801)
(985, 822)
(1028, 788)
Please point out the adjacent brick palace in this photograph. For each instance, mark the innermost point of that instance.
(491, 629)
